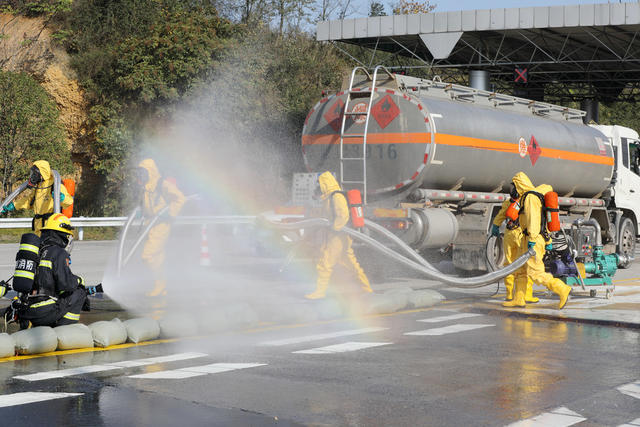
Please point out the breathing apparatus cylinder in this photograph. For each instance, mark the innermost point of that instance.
(70, 185)
(513, 210)
(553, 211)
(355, 203)
(26, 263)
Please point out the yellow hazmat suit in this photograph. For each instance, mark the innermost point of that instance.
(530, 221)
(511, 247)
(157, 196)
(40, 198)
(338, 246)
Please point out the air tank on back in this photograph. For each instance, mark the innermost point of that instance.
(429, 134)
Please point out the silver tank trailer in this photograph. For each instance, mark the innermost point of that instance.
(425, 134)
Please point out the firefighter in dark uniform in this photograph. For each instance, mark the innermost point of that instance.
(63, 293)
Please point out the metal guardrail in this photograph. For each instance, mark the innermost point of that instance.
(118, 221)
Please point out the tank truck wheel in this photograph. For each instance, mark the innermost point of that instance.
(609, 294)
(627, 244)
(593, 293)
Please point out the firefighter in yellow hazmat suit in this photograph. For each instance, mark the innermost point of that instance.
(158, 194)
(533, 237)
(337, 248)
(39, 195)
(511, 242)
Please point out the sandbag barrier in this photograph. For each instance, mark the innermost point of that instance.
(238, 316)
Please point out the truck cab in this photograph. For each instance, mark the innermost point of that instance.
(625, 183)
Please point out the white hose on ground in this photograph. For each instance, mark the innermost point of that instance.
(455, 281)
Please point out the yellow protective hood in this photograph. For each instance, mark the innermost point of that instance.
(154, 174)
(522, 183)
(45, 170)
(328, 184)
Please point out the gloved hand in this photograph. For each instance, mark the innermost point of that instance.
(8, 208)
(495, 230)
(531, 245)
(548, 247)
(61, 196)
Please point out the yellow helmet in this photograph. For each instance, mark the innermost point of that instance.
(59, 222)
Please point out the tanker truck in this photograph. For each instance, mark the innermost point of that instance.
(434, 162)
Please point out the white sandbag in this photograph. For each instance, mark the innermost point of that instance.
(106, 333)
(212, 321)
(143, 329)
(41, 339)
(383, 303)
(424, 298)
(178, 325)
(7, 346)
(240, 315)
(74, 336)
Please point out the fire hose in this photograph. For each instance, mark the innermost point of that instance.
(423, 267)
(123, 260)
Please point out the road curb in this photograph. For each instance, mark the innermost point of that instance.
(544, 316)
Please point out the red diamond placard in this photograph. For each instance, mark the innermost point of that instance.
(534, 150)
(385, 111)
(334, 115)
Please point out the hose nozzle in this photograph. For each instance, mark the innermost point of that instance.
(97, 289)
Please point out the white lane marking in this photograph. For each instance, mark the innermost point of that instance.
(559, 417)
(195, 371)
(107, 367)
(448, 329)
(634, 423)
(308, 338)
(160, 359)
(450, 317)
(631, 389)
(31, 397)
(342, 348)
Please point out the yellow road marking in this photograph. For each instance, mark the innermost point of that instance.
(87, 350)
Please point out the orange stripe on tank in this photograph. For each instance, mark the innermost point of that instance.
(507, 147)
(372, 138)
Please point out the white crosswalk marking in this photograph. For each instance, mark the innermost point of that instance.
(634, 423)
(31, 397)
(559, 417)
(196, 371)
(450, 317)
(631, 389)
(318, 337)
(342, 348)
(107, 367)
(448, 329)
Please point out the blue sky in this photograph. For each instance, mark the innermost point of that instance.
(362, 6)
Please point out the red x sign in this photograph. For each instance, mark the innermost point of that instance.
(521, 75)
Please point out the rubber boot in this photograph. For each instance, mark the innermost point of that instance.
(319, 293)
(563, 290)
(520, 287)
(508, 284)
(159, 289)
(528, 296)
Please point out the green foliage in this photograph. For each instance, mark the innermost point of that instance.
(47, 8)
(376, 9)
(29, 129)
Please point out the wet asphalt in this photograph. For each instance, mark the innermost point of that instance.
(507, 369)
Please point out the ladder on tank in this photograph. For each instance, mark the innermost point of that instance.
(343, 135)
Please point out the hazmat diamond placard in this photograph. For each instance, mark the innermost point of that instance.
(334, 115)
(534, 150)
(385, 111)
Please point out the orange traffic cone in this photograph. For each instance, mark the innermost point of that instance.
(205, 261)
